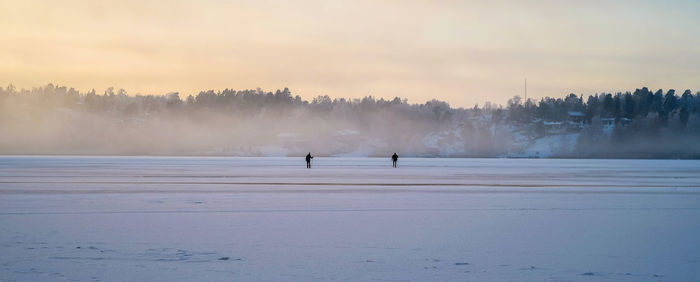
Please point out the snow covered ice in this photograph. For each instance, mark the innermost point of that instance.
(349, 219)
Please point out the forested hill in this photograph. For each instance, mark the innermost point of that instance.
(60, 120)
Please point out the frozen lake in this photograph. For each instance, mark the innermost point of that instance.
(348, 219)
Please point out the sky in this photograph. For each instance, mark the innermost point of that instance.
(462, 52)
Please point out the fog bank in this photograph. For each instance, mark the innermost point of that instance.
(58, 120)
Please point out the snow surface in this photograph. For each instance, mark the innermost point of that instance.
(549, 146)
(350, 219)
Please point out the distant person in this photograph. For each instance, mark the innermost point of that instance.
(394, 158)
(308, 160)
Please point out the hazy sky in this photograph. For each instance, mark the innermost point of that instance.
(463, 52)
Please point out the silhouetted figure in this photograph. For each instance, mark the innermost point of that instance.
(395, 158)
(308, 160)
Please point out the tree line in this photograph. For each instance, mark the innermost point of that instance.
(647, 123)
